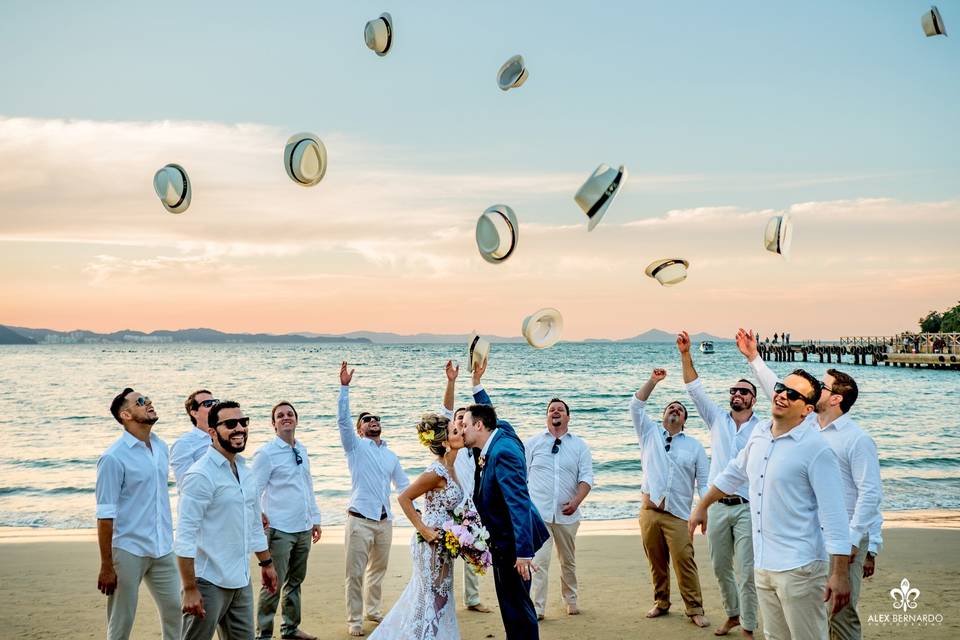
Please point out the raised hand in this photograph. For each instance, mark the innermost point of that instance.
(658, 375)
(452, 370)
(747, 343)
(683, 342)
(479, 371)
(345, 376)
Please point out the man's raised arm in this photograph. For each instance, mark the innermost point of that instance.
(707, 408)
(348, 437)
(766, 378)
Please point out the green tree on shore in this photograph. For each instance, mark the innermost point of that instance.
(946, 322)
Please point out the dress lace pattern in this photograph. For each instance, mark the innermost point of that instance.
(426, 609)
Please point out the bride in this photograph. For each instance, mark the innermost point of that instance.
(426, 609)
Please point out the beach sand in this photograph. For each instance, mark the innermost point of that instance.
(48, 580)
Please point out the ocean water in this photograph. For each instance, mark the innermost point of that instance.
(55, 419)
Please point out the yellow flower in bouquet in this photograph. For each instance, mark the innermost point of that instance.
(426, 437)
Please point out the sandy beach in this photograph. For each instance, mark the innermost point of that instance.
(48, 579)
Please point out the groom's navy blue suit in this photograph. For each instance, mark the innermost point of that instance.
(516, 528)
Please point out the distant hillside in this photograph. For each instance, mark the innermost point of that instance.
(658, 335)
(8, 336)
(203, 336)
(424, 338)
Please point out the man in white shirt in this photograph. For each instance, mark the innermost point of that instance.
(191, 446)
(465, 466)
(218, 528)
(673, 464)
(289, 505)
(369, 530)
(559, 475)
(859, 469)
(797, 515)
(729, 537)
(134, 524)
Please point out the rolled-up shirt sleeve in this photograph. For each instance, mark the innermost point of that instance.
(585, 466)
(734, 475)
(109, 481)
(446, 413)
(642, 424)
(196, 493)
(823, 474)
(257, 537)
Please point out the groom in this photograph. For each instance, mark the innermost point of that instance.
(503, 501)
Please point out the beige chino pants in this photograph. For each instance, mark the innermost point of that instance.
(564, 536)
(368, 551)
(791, 602)
(666, 536)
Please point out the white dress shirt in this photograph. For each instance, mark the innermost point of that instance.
(285, 487)
(726, 440)
(796, 511)
(219, 520)
(553, 477)
(669, 475)
(132, 491)
(186, 450)
(372, 466)
(859, 466)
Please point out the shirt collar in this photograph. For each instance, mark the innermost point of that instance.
(131, 440)
(486, 445)
(219, 459)
(280, 442)
(839, 423)
(666, 434)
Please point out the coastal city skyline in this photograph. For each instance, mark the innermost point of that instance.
(723, 116)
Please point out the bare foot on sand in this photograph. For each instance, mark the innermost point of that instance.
(656, 612)
(727, 626)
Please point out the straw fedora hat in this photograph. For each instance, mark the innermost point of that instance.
(497, 233)
(173, 187)
(305, 159)
(542, 328)
(478, 348)
(378, 34)
(512, 74)
(778, 235)
(598, 191)
(932, 23)
(668, 271)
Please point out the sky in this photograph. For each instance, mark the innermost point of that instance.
(724, 114)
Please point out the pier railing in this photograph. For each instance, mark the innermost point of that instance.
(936, 350)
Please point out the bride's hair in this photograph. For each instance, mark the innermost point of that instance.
(432, 431)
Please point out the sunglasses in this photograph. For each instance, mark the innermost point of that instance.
(556, 445)
(207, 403)
(369, 417)
(741, 391)
(669, 440)
(296, 456)
(231, 423)
(792, 394)
(142, 400)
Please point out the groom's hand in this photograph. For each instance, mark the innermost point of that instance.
(525, 567)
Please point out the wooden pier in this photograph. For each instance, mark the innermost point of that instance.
(913, 350)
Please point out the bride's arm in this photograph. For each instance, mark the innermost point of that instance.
(426, 481)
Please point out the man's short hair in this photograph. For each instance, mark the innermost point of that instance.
(191, 404)
(282, 403)
(485, 414)
(752, 386)
(116, 405)
(458, 410)
(561, 402)
(214, 417)
(844, 385)
(816, 384)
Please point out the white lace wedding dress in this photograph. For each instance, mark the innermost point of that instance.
(426, 609)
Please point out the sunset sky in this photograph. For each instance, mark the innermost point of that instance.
(724, 114)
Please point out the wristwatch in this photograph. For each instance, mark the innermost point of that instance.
(266, 563)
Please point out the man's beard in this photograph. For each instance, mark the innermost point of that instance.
(149, 421)
(228, 446)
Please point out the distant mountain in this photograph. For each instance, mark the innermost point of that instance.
(380, 337)
(657, 335)
(8, 336)
(203, 336)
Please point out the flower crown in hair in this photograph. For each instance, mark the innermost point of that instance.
(426, 437)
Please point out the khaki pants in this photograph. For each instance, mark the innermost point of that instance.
(730, 542)
(163, 580)
(791, 602)
(846, 624)
(471, 586)
(565, 537)
(289, 552)
(368, 550)
(665, 535)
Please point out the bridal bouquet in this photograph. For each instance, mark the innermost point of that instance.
(465, 536)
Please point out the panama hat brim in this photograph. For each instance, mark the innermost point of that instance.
(478, 349)
(491, 224)
(512, 74)
(305, 159)
(596, 208)
(172, 185)
(377, 30)
(543, 328)
(668, 271)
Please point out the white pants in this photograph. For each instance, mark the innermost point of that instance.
(791, 602)
(565, 538)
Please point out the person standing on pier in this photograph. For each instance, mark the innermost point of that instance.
(729, 537)
(859, 470)
(673, 464)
